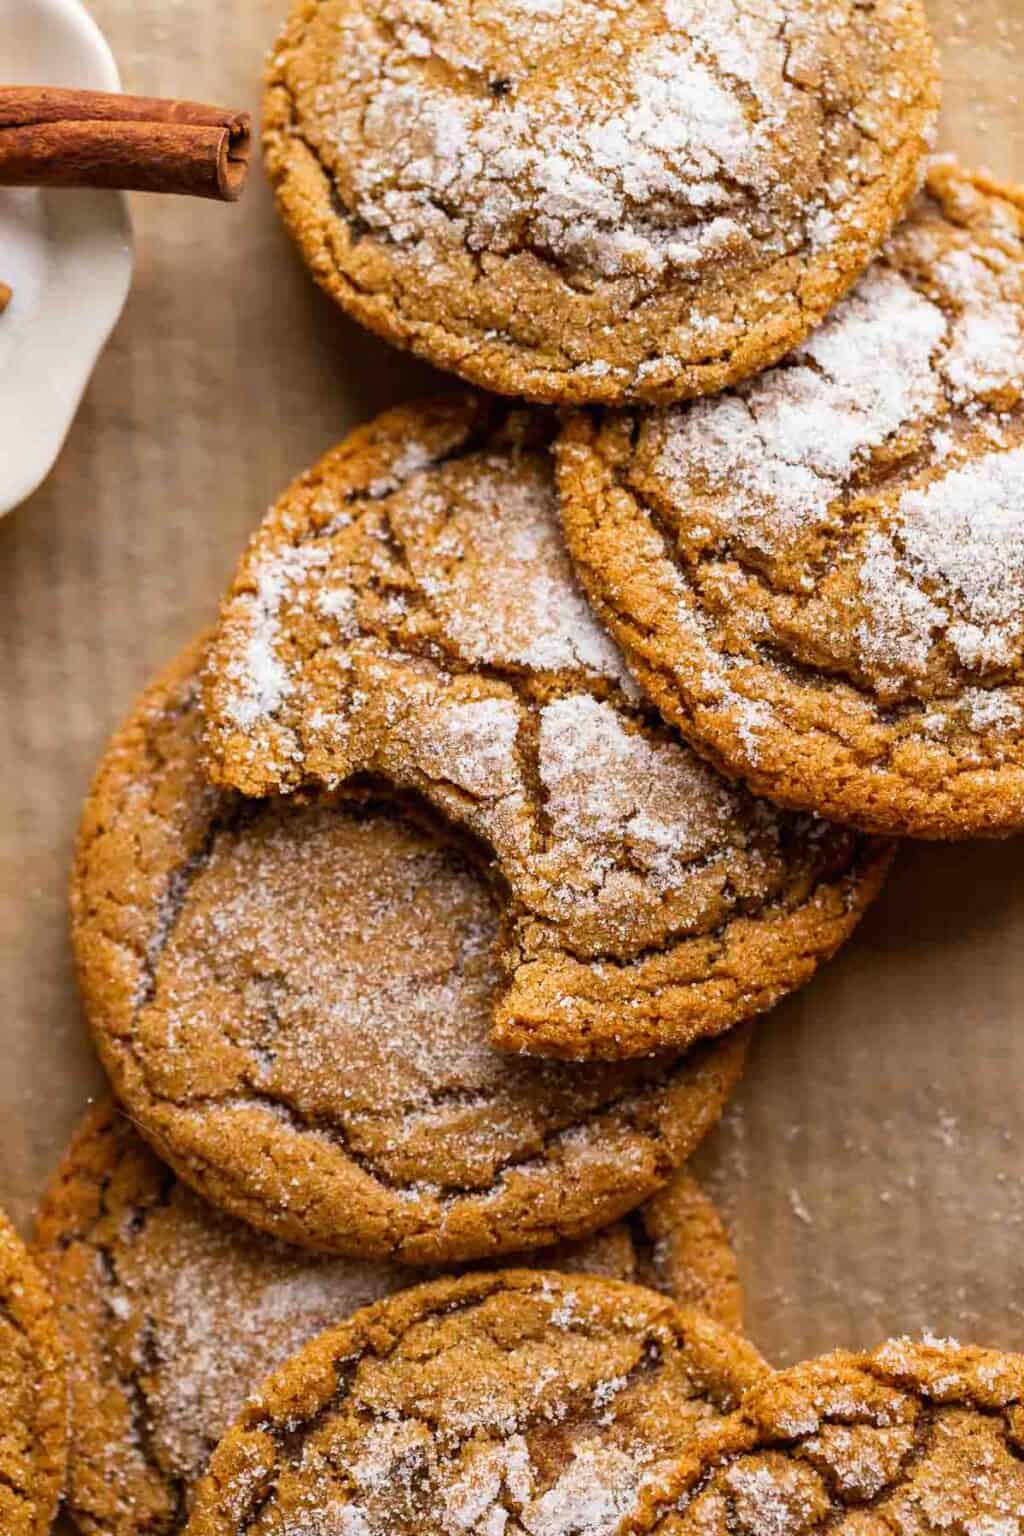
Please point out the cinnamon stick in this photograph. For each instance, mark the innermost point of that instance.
(60, 138)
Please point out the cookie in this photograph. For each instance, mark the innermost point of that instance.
(408, 610)
(292, 1001)
(819, 577)
(924, 1438)
(174, 1313)
(516, 1402)
(579, 200)
(33, 1395)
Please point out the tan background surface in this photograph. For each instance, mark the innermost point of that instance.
(872, 1168)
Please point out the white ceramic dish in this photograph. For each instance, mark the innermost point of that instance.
(67, 255)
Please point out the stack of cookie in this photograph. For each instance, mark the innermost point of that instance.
(420, 908)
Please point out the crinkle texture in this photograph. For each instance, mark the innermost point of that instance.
(292, 1001)
(819, 576)
(33, 1395)
(595, 200)
(517, 1404)
(408, 609)
(174, 1313)
(916, 1438)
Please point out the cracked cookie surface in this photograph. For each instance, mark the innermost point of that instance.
(587, 200)
(530, 1404)
(819, 577)
(173, 1312)
(33, 1396)
(292, 1001)
(916, 1438)
(408, 609)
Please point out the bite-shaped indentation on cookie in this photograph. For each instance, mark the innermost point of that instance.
(293, 998)
(33, 1395)
(520, 1402)
(819, 576)
(579, 201)
(173, 1312)
(921, 1436)
(408, 610)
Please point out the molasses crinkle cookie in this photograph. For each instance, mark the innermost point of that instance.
(408, 610)
(33, 1399)
(293, 1000)
(924, 1438)
(819, 577)
(586, 200)
(144, 1271)
(526, 1403)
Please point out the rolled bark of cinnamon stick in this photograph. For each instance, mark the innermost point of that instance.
(59, 138)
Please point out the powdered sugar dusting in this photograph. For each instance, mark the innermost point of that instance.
(775, 1500)
(481, 537)
(478, 1419)
(412, 456)
(601, 823)
(649, 164)
(608, 787)
(901, 620)
(862, 1458)
(349, 918)
(864, 1443)
(473, 743)
(487, 1477)
(485, 546)
(492, 1489)
(994, 711)
(260, 680)
(328, 1518)
(966, 534)
(859, 506)
(228, 1306)
(356, 960)
(594, 1493)
(766, 463)
(960, 539)
(986, 352)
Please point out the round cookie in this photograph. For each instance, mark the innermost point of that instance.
(292, 1001)
(820, 576)
(925, 1438)
(408, 609)
(517, 1402)
(174, 1312)
(33, 1395)
(579, 200)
